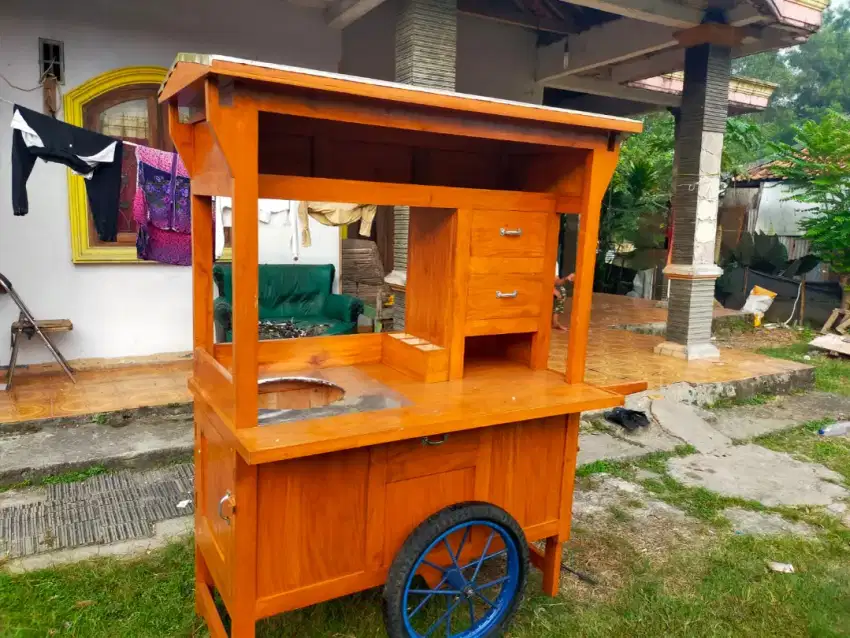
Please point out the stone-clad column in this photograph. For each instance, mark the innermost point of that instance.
(425, 53)
(699, 146)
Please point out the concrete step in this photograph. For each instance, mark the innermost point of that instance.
(139, 438)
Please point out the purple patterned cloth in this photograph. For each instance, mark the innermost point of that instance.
(166, 198)
(162, 208)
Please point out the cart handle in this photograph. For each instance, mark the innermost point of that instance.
(427, 440)
(225, 499)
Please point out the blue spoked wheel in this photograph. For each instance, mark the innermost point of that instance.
(460, 574)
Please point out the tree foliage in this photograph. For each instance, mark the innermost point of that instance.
(817, 167)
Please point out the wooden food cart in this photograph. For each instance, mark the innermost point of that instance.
(426, 461)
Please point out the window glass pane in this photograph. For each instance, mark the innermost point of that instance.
(128, 121)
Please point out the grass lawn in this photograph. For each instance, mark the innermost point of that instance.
(717, 586)
(831, 374)
(723, 591)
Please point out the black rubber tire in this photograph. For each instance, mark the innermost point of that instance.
(422, 537)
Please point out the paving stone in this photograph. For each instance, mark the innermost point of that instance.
(758, 474)
(598, 446)
(683, 422)
(765, 523)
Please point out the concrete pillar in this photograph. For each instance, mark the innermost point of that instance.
(699, 147)
(425, 54)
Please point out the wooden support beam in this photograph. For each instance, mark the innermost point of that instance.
(599, 169)
(342, 13)
(234, 119)
(515, 16)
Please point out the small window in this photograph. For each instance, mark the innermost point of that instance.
(51, 59)
(129, 113)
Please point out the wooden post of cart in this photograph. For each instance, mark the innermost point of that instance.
(426, 461)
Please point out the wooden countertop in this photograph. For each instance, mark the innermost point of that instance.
(489, 394)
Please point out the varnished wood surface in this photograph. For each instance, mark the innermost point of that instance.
(431, 262)
(521, 296)
(492, 234)
(350, 85)
(489, 394)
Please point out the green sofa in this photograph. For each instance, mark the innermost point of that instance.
(301, 293)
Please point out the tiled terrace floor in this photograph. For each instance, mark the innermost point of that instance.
(614, 356)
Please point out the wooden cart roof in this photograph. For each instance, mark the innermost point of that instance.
(190, 67)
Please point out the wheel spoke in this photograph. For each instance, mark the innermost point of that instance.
(493, 583)
(426, 599)
(486, 558)
(471, 613)
(483, 554)
(431, 592)
(485, 599)
(462, 542)
(432, 565)
(451, 555)
(442, 619)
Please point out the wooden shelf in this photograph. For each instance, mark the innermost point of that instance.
(488, 395)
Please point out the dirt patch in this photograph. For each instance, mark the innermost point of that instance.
(619, 528)
(755, 338)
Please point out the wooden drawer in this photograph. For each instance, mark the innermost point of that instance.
(508, 234)
(502, 296)
(409, 459)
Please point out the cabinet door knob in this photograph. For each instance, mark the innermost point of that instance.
(506, 295)
(507, 232)
(227, 498)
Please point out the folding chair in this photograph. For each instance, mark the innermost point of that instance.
(29, 326)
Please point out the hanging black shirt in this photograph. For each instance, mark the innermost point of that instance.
(94, 156)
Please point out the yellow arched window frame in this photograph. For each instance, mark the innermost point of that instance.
(83, 249)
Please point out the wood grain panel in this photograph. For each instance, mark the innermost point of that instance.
(218, 460)
(362, 160)
(284, 355)
(540, 343)
(501, 326)
(414, 458)
(507, 265)
(483, 302)
(459, 297)
(427, 363)
(432, 493)
(488, 240)
(526, 469)
(215, 382)
(429, 274)
(392, 194)
(313, 514)
(461, 168)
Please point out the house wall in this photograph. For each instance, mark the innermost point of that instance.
(126, 310)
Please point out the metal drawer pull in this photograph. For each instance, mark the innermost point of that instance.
(224, 499)
(506, 232)
(427, 440)
(506, 295)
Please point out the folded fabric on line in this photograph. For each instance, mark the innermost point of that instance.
(335, 214)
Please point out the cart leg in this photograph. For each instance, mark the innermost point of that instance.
(203, 579)
(552, 566)
(244, 627)
(548, 562)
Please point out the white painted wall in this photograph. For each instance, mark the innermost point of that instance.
(128, 310)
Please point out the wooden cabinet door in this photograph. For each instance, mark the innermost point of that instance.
(214, 480)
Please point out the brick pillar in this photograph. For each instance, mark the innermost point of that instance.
(699, 146)
(425, 52)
